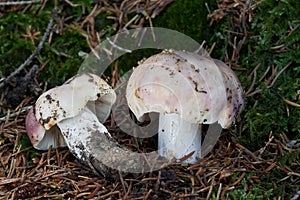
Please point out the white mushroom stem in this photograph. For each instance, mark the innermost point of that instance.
(178, 138)
(78, 131)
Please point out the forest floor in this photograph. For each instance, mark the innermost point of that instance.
(229, 171)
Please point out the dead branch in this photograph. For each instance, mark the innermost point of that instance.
(14, 3)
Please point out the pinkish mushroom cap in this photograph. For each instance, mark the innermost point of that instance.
(41, 138)
(179, 82)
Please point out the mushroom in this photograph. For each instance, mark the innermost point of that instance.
(187, 90)
(71, 115)
(48, 123)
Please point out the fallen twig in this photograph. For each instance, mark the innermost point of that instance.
(16, 113)
(14, 3)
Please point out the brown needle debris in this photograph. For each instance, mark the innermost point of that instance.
(56, 174)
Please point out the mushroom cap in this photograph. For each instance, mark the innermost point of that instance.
(191, 85)
(41, 138)
(69, 99)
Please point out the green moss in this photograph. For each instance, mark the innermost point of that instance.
(266, 111)
(14, 47)
(270, 113)
(188, 17)
(264, 191)
(63, 56)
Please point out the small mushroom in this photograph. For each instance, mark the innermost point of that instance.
(186, 89)
(85, 94)
(71, 115)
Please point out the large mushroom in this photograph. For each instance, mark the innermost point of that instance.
(53, 119)
(187, 90)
